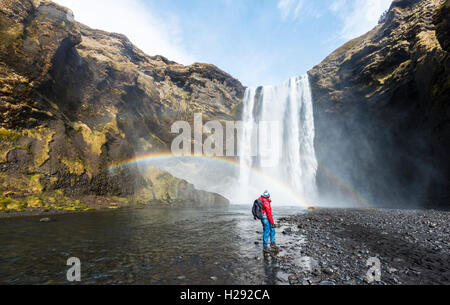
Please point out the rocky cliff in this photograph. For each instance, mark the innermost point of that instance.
(382, 109)
(75, 101)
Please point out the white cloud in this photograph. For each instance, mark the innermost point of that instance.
(298, 8)
(359, 16)
(153, 34)
(290, 7)
(337, 5)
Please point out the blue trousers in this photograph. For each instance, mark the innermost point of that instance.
(268, 231)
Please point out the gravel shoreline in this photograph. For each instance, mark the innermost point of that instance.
(92, 209)
(413, 247)
(42, 213)
(53, 212)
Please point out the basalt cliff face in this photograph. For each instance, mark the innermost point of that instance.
(382, 109)
(76, 101)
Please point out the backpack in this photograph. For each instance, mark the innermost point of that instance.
(257, 209)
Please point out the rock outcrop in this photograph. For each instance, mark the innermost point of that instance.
(442, 22)
(74, 101)
(166, 189)
(382, 109)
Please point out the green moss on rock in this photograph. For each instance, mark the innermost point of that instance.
(11, 204)
(75, 166)
(35, 184)
(9, 135)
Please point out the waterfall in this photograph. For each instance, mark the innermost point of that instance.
(289, 110)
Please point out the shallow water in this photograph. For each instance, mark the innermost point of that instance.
(150, 246)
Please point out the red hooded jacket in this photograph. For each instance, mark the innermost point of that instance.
(267, 208)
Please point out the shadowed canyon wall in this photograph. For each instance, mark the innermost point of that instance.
(382, 109)
(74, 101)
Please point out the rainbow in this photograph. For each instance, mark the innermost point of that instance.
(163, 156)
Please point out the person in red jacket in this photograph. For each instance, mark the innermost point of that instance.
(267, 222)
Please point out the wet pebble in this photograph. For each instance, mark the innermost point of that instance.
(293, 279)
(326, 283)
(287, 231)
(391, 270)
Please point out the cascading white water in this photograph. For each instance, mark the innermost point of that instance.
(289, 105)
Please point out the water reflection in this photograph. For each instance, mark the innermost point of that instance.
(271, 269)
(152, 246)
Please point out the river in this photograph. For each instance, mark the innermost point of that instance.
(149, 246)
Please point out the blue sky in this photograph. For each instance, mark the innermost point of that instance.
(260, 42)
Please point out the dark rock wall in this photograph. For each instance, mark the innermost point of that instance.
(442, 22)
(382, 110)
(74, 101)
